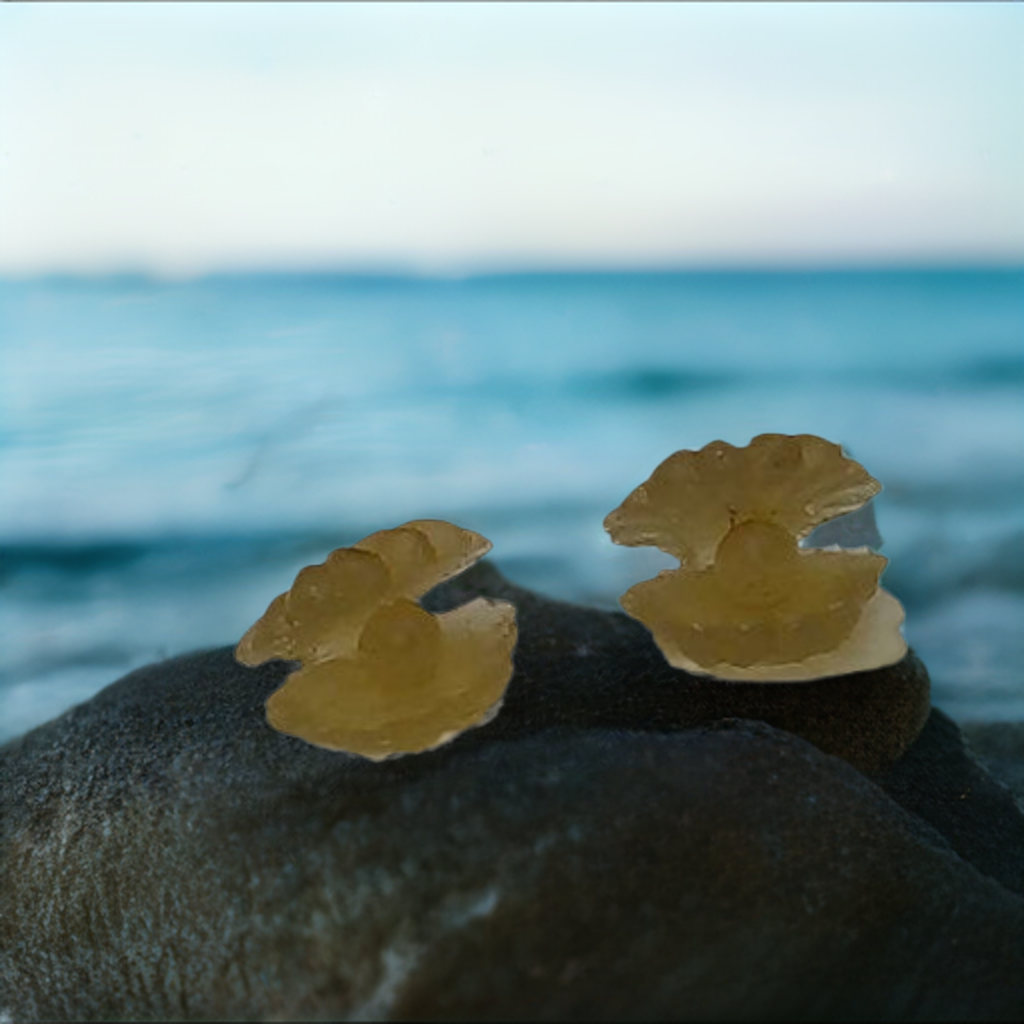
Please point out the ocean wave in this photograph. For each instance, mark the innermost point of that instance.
(173, 452)
(935, 569)
(647, 384)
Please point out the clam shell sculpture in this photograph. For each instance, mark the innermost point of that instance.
(748, 602)
(380, 675)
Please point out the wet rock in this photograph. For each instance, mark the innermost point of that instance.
(593, 852)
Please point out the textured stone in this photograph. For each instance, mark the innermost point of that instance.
(584, 667)
(593, 852)
(942, 782)
(1000, 748)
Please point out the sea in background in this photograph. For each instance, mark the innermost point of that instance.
(172, 452)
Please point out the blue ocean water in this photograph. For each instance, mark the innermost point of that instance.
(171, 453)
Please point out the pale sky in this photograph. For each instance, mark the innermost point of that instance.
(186, 138)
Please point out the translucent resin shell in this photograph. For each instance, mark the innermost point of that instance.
(748, 602)
(380, 675)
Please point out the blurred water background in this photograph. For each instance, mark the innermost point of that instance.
(172, 452)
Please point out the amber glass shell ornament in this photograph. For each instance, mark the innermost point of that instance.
(748, 602)
(380, 675)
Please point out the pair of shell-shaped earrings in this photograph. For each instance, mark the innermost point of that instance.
(380, 676)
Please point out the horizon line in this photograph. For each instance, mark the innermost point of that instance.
(406, 272)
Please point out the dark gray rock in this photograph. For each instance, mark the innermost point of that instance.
(1000, 748)
(940, 781)
(592, 853)
(588, 668)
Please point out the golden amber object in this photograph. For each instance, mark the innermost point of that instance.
(747, 602)
(380, 675)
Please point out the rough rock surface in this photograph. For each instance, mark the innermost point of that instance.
(588, 668)
(594, 852)
(1000, 747)
(940, 781)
